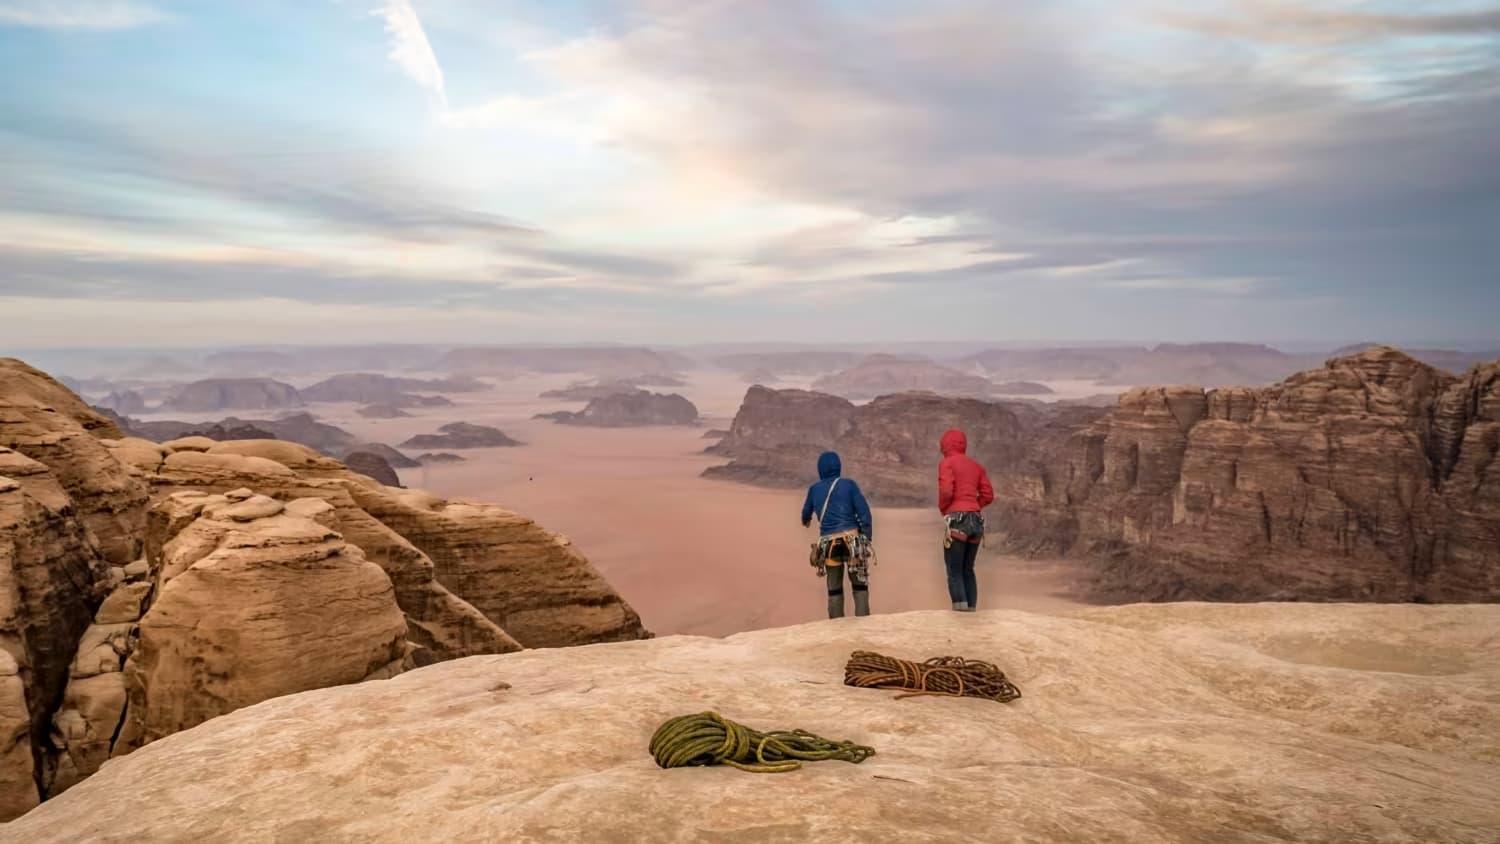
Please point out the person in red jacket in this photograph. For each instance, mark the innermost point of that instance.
(963, 492)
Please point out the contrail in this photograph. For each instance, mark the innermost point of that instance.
(410, 49)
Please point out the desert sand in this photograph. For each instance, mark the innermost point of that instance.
(691, 555)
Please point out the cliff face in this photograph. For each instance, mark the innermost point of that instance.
(1373, 478)
(233, 394)
(1180, 722)
(145, 587)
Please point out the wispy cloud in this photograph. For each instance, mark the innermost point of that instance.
(410, 49)
(78, 14)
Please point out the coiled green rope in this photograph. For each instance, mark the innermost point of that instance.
(709, 738)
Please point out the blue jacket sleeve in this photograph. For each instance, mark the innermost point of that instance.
(807, 506)
(861, 511)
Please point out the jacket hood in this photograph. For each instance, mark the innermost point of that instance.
(829, 465)
(954, 442)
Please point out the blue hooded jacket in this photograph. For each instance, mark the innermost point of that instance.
(847, 508)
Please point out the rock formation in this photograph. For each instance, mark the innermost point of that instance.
(881, 374)
(1373, 478)
(1022, 388)
(382, 411)
(124, 402)
(589, 391)
(1210, 364)
(116, 629)
(372, 466)
(462, 435)
(630, 410)
(1183, 722)
(802, 362)
(369, 388)
(427, 458)
(385, 452)
(303, 428)
(233, 394)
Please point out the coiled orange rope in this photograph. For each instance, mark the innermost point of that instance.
(950, 676)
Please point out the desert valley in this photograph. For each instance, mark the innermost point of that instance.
(667, 421)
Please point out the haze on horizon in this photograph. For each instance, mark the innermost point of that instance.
(677, 171)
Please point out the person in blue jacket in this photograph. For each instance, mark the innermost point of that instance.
(845, 530)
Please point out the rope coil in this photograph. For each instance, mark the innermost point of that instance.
(950, 676)
(709, 738)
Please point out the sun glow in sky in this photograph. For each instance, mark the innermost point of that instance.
(691, 170)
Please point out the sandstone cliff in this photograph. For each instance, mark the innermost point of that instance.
(233, 589)
(1373, 478)
(1183, 722)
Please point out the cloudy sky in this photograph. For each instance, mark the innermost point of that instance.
(694, 170)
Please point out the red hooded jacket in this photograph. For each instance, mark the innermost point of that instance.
(963, 485)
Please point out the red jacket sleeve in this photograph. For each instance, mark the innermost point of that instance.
(986, 492)
(945, 486)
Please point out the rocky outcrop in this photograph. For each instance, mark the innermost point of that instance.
(1209, 364)
(372, 466)
(434, 458)
(382, 411)
(630, 410)
(1183, 723)
(216, 394)
(301, 428)
(257, 599)
(878, 375)
(388, 454)
(49, 567)
(590, 391)
(124, 401)
(462, 435)
(369, 388)
(1369, 479)
(1022, 388)
(233, 590)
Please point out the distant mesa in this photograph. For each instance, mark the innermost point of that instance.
(370, 388)
(434, 458)
(382, 411)
(589, 391)
(126, 402)
(462, 435)
(1022, 388)
(233, 394)
(390, 455)
(372, 465)
(251, 360)
(715, 434)
(878, 375)
(630, 410)
(761, 376)
(1203, 364)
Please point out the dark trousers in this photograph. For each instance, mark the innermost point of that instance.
(858, 585)
(963, 587)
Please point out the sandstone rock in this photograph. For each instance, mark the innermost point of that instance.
(190, 443)
(434, 458)
(123, 604)
(527, 579)
(249, 610)
(233, 394)
(382, 411)
(1183, 722)
(372, 466)
(44, 421)
(390, 455)
(879, 375)
(629, 410)
(49, 567)
(462, 435)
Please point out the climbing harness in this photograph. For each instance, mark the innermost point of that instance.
(709, 738)
(949, 676)
(963, 527)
